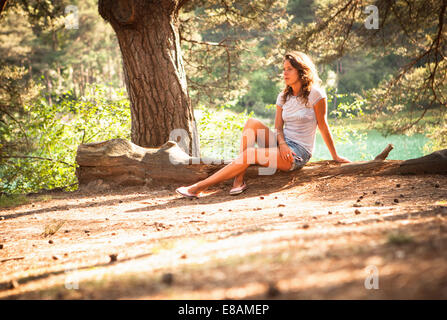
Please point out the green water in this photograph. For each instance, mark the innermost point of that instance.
(405, 147)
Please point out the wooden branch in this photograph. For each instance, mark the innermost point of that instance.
(9, 259)
(36, 158)
(2, 5)
(384, 154)
(119, 162)
(208, 43)
(180, 4)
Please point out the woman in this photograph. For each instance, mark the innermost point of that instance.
(300, 107)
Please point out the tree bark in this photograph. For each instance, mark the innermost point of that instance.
(119, 162)
(148, 37)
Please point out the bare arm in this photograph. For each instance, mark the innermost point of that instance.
(284, 150)
(320, 109)
(279, 124)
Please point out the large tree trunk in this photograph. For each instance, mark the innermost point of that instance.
(119, 162)
(148, 36)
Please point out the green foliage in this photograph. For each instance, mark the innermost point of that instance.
(223, 42)
(34, 35)
(301, 10)
(16, 90)
(437, 136)
(399, 238)
(7, 201)
(220, 131)
(343, 105)
(262, 93)
(56, 131)
(363, 72)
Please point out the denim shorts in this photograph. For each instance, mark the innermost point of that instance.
(302, 155)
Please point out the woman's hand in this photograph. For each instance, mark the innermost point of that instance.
(286, 153)
(341, 159)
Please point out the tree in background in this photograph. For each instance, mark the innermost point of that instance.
(149, 36)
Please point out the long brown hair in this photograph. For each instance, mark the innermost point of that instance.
(307, 73)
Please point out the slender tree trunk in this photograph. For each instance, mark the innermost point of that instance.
(148, 36)
(49, 87)
(81, 80)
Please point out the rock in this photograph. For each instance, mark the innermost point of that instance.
(1, 246)
(86, 231)
(305, 226)
(2, 218)
(113, 257)
(262, 198)
(50, 241)
(329, 212)
(281, 215)
(396, 200)
(401, 195)
(55, 258)
(374, 192)
(203, 212)
(357, 211)
(314, 217)
(378, 203)
(356, 205)
(167, 278)
(436, 185)
(358, 200)
(272, 290)
(183, 256)
(13, 284)
(398, 185)
(361, 197)
(66, 231)
(121, 201)
(281, 205)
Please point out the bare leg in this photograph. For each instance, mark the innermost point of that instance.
(267, 157)
(254, 132)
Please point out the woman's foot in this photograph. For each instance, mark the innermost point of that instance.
(187, 192)
(238, 190)
(238, 181)
(239, 185)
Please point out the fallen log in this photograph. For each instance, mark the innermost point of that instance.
(119, 162)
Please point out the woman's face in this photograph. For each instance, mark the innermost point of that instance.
(290, 74)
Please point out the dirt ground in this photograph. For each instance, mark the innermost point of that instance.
(284, 238)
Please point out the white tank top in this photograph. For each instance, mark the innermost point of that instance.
(300, 122)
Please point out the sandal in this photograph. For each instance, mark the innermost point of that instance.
(238, 190)
(184, 192)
